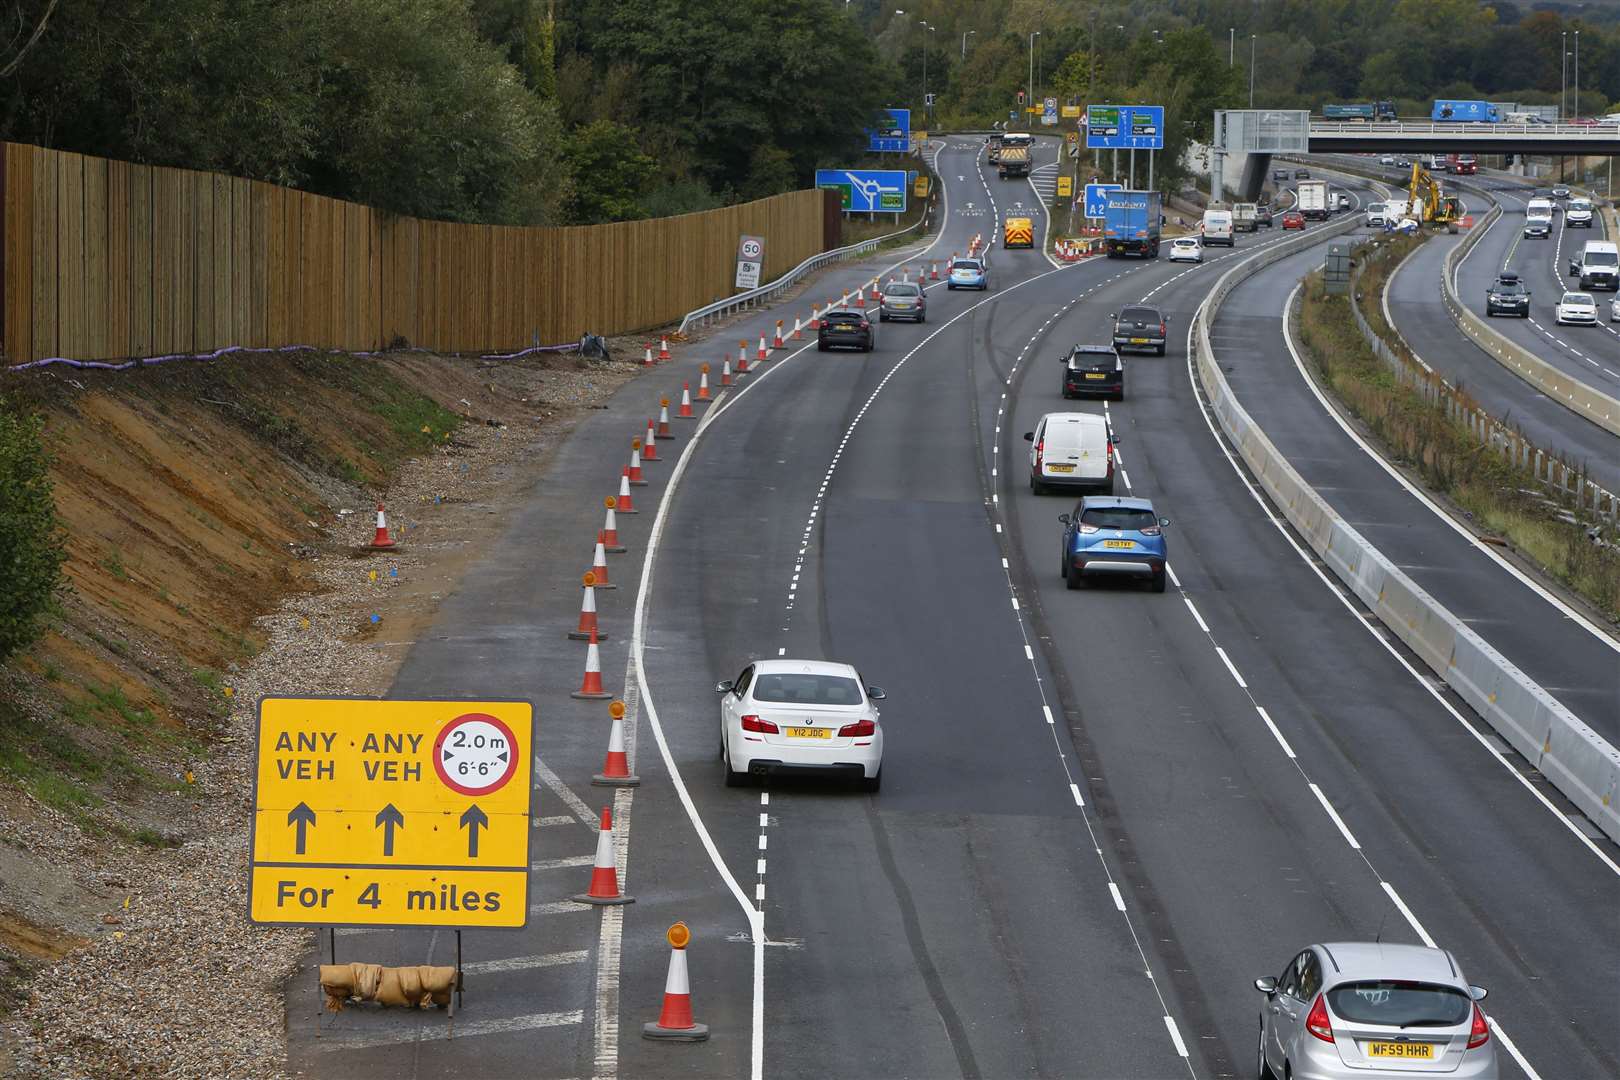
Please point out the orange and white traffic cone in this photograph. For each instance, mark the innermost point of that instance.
(590, 688)
(877, 294)
(933, 270)
(589, 629)
(599, 565)
(703, 384)
(610, 528)
(776, 342)
(815, 317)
(663, 348)
(685, 411)
(604, 890)
(725, 372)
(647, 358)
(663, 420)
(649, 445)
(616, 767)
(742, 358)
(675, 1019)
(798, 329)
(625, 505)
(764, 353)
(381, 539)
(860, 298)
(636, 479)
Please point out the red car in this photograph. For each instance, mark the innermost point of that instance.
(1293, 219)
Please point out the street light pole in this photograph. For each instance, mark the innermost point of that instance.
(1576, 86)
(924, 24)
(1563, 76)
(964, 43)
(1231, 45)
(1251, 71)
(1030, 103)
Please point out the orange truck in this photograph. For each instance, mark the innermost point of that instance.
(1018, 232)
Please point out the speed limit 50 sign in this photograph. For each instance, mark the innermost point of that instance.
(392, 813)
(750, 261)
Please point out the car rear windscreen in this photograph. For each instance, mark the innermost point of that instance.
(967, 264)
(1139, 314)
(1118, 517)
(900, 288)
(1399, 1004)
(802, 689)
(843, 317)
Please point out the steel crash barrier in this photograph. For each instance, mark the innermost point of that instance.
(1579, 762)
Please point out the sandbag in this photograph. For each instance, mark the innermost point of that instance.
(415, 986)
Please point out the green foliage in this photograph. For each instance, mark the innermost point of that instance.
(610, 174)
(31, 551)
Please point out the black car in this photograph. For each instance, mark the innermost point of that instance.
(1262, 216)
(845, 328)
(1279, 174)
(1302, 174)
(1139, 327)
(1508, 296)
(1093, 370)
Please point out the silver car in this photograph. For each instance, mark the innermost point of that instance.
(903, 300)
(1370, 1011)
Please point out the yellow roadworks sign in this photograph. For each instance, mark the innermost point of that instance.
(920, 188)
(1065, 187)
(392, 813)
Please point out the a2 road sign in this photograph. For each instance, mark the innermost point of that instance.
(1097, 198)
(392, 813)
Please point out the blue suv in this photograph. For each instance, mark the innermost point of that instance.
(1108, 536)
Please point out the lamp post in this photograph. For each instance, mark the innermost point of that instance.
(1033, 34)
(964, 43)
(1251, 71)
(1231, 45)
(924, 24)
(1563, 76)
(1576, 85)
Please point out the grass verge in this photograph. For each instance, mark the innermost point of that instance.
(1569, 546)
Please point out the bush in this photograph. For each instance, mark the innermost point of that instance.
(31, 550)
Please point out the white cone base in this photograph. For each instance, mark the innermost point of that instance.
(599, 901)
(590, 697)
(603, 780)
(616, 549)
(696, 1033)
(575, 635)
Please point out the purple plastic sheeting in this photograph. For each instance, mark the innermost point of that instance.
(102, 365)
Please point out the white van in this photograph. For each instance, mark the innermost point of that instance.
(1578, 214)
(1538, 214)
(1600, 265)
(1217, 227)
(1071, 450)
(1375, 214)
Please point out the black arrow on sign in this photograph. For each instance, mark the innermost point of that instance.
(389, 818)
(473, 820)
(303, 817)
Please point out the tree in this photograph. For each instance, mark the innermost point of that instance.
(31, 551)
(610, 175)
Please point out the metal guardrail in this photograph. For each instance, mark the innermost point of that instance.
(1579, 762)
(754, 297)
(1595, 133)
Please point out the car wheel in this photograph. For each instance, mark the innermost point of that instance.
(872, 784)
(922, 318)
(733, 777)
(1036, 486)
(1263, 1067)
(821, 346)
(1072, 578)
(1161, 350)
(1120, 396)
(1158, 581)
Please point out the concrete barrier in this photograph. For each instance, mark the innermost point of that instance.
(1579, 762)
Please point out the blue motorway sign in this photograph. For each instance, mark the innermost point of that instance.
(1125, 127)
(1097, 198)
(867, 189)
(895, 138)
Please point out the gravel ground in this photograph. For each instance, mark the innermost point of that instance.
(180, 983)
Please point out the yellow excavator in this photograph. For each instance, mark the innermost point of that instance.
(1438, 207)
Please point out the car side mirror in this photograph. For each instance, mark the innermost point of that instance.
(1063, 518)
(1478, 993)
(1113, 438)
(875, 693)
(724, 687)
(1164, 523)
(1267, 985)
(1029, 436)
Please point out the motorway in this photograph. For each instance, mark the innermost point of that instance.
(1104, 813)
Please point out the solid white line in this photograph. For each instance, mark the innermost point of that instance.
(1119, 900)
(526, 963)
(1046, 709)
(1074, 789)
(1173, 579)
(1199, 619)
(1175, 1036)
(556, 907)
(555, 819)
(1344, 830)
(563, 863)
(1276, 733)
(356, 1038)
(1231, 667)
(1029, 654)
(1411, 919)
(566, 794)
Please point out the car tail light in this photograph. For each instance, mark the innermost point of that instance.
(1151, 530)
(759, 726)
(1087, 530)
(1110, 461)
(1162, 330)
(1317, 1023)
(858, 728)
(1040, 452)
(1480, 1033)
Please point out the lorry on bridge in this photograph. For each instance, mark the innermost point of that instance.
(1131, 222)
(1376, 110)
(1469, 112)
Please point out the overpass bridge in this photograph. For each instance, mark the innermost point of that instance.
(1256, 134)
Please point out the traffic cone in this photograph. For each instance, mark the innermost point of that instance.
(380, 539)
(599, 565)
(647, 360)
(776, 342)
(591, 687)
(616, 768)
(663, 420)
(685, 411)
(675, 1019)
(860, 298)
(625, 506)
(742, 358)
(725, 372)
(933, 270)
(610, 528)
(663, 348)
(604, 890)
(876, 293)
(636, 479)
(763, 352)
(815, 316)
(798, 329)
(649, 445)
(703, 383)
(589, 629)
